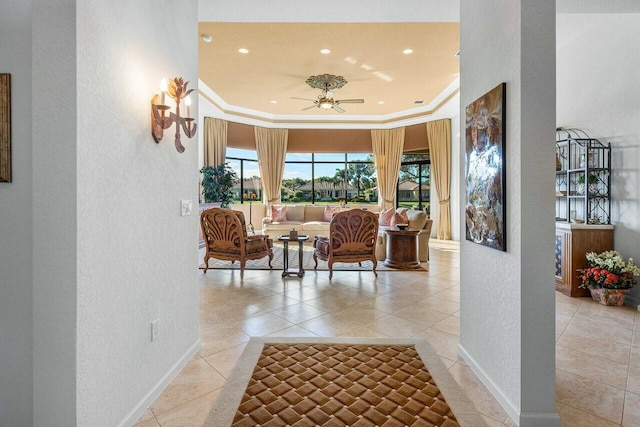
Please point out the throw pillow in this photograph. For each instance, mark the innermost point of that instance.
(399, 218)
(417, 219)
(278, 213)
(329, 212)
(385, 216)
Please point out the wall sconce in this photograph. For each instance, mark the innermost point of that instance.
(162, 118)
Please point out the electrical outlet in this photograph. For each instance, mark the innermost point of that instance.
(155, 332)
(186, 206)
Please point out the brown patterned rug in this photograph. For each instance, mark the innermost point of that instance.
(341, 382)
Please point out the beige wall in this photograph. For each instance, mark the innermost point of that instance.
(326, 140)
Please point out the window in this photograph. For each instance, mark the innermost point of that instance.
(414, 182)
(321, 178)
(331, 178)
(245, 164)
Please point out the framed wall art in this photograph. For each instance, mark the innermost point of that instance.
(485, 210)
(5, 127)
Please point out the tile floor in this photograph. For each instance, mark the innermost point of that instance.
(598, 348)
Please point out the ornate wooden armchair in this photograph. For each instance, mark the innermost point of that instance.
(352, 238)
(225, 237)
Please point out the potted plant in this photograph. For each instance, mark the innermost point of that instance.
(608, 277)
(593, 184)
(217, 184)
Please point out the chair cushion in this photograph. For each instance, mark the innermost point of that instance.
(243, 223)
(255, 246)
(322, 245)
(386, 215)
(329, 212)
(278, 213)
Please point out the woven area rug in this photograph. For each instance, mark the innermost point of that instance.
(307, 261)
(341, 382)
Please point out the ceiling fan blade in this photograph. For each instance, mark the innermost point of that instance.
(338, 109)
(310, 107)
(349, 101)
(304, 99)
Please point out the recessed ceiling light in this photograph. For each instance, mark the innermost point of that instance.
(325, 51)
(407, 51)
(273, 101)
(206, 38)
(243, 50)
(380, 102)
(457, 53)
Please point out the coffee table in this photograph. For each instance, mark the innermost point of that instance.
(402, 249)
(285, 239)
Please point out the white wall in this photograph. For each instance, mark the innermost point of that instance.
(16, 311)
(54, 212)
(598, 91)
(107, 203)
(507, 298)
(137, 257)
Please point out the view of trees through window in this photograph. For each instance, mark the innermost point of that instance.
(332, 178)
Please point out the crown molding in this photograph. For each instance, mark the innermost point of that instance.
(445, 105)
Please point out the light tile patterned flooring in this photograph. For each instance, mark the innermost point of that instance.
(598, 348)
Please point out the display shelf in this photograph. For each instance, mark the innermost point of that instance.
(583, 177)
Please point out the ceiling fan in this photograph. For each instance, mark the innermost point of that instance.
(327, 82)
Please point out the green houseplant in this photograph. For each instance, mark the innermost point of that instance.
(217, 184)
(592, 181)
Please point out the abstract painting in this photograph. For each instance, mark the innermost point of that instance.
(485, 169)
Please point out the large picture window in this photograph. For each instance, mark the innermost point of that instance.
(332, 178)
(329, 178)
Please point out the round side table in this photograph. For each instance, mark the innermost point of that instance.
(402, 249)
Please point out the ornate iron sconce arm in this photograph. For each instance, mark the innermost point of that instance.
(177, 90)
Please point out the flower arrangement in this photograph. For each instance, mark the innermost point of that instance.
(608, 270)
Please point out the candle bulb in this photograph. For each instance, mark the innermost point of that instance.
(163, 90)
(187, 102)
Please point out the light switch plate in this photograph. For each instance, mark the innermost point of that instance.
(186, 206)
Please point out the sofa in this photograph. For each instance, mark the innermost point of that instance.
(306, 219)
(309, 219)
(417, 220)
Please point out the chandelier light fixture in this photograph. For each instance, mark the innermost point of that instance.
(161, 116)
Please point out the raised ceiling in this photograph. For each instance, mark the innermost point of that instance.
(368, 55)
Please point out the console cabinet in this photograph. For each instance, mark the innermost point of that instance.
(573, 241)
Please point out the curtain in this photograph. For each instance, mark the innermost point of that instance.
(271, 147)
(439, 136)
(387, 147)
(215, 141)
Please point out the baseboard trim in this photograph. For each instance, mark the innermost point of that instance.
(632, 302)
(522, 419)
(157, 389)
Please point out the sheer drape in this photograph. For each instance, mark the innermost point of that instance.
(271, 147)
(439, 136)
(215, 141)
(387, 145)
